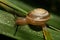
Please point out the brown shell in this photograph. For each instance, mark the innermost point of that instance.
(38, 16)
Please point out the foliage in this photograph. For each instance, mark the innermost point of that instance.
(21, 7)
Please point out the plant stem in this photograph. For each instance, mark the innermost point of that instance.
(46, 33)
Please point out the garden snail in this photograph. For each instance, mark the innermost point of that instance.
(36, 17)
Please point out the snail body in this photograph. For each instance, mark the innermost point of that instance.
(35, 17)
(21, 21)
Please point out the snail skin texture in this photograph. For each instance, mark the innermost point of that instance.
(21, 21)
(38, 16)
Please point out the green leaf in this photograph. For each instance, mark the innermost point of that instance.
(54, 21)
(7, 23)
(28, 34)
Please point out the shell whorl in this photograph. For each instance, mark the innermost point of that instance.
(39, 14)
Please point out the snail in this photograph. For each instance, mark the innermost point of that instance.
(38, 17)
(35, 17)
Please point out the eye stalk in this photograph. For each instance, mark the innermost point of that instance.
(35, 17)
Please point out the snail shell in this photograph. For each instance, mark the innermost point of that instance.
(37, 16)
